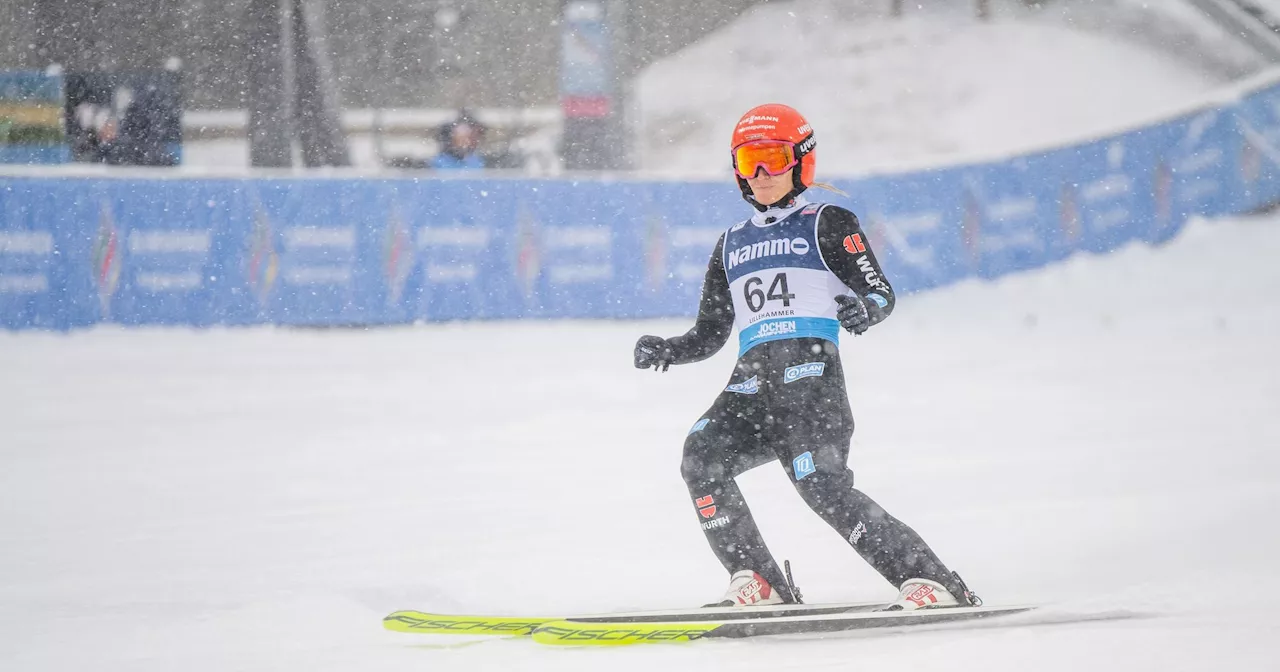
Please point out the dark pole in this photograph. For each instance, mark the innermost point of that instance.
(270, 133)
(619, 131)
(316, 107)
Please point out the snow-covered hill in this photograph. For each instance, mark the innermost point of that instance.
(930, 88)
(1095, 435)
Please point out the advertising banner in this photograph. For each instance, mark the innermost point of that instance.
(76, 251)
(31, 124)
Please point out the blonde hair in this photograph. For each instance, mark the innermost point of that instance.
(824, 185)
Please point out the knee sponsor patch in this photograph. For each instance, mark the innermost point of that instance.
(856, 535)
(749, 386)
(803, 465)
(794, 373)
(699, 425)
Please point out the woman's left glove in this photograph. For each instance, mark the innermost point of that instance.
(653, 351)
(853, 314)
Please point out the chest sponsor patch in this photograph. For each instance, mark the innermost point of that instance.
(766, 248)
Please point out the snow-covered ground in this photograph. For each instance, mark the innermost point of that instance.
(929, 88)
(1095, 435)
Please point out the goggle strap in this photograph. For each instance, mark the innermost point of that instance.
(806, 145)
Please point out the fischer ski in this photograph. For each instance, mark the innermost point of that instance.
(604, 631)
(420, 622)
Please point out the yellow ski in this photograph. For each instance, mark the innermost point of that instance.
(604, 631)
(421, 622)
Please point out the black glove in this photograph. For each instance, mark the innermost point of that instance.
(653, 351)
(853, 314)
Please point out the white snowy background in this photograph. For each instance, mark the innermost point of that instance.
(1094, 436)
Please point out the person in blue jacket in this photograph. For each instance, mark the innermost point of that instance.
(460, 140)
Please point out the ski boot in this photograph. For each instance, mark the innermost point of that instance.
(749, 589)
(926, 594)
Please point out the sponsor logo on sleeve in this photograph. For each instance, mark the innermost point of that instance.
(853, 244)
(803, 465)
(718, 522)
(794, 373)
(869, 272)
(706, 506)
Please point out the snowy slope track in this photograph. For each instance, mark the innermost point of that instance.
(1098, 436)
(928, 89)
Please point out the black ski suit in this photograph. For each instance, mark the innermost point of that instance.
(786, 399)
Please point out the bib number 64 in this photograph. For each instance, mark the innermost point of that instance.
(753, 291)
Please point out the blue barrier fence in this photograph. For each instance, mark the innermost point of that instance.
(77, 251)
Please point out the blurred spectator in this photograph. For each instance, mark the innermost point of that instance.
(460, 141)
(111, 122)
(92, 132)
(143, 133)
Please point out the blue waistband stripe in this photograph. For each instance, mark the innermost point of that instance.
(788, 327)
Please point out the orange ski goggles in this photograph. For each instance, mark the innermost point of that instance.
(775, 156)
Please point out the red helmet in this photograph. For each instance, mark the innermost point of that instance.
(775, 122)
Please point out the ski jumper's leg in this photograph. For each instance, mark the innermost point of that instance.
(722, 444)
(809, 427)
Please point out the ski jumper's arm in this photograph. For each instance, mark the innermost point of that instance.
(715, 315)
(848, 254)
